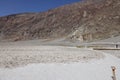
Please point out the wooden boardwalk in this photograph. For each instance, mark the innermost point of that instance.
(106, 48)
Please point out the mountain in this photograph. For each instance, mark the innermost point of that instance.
(86, 20)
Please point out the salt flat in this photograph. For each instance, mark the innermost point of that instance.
(92, 70)
(14, 56)
(112, 52)
(38, 62)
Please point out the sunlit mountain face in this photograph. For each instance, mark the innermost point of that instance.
(87, 20)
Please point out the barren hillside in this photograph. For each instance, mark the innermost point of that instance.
(85, 21)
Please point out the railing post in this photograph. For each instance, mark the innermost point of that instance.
(113, 71)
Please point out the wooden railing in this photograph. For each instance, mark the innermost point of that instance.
(113, 72)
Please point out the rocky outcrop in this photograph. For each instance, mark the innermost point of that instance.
(84, 21)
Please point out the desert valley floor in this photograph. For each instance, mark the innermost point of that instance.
(57, 63)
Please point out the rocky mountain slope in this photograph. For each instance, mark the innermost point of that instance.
(87, 20)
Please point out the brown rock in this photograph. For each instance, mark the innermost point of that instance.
(64, 21)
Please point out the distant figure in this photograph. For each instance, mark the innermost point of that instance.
(116, 45)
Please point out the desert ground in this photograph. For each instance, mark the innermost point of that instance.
(60, 61)
(13, 56)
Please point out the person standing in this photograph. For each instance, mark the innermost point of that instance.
(116, 45)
